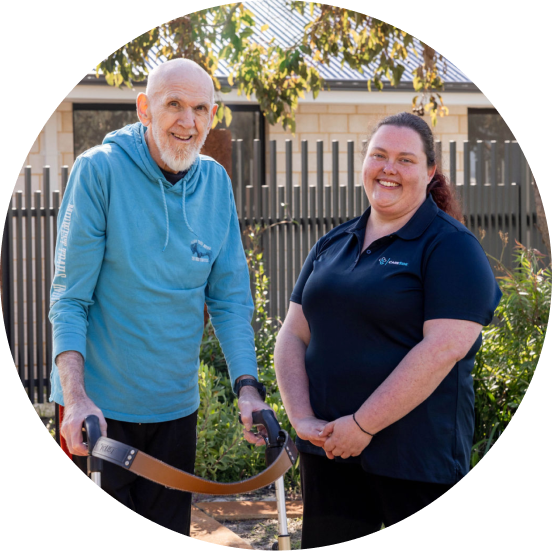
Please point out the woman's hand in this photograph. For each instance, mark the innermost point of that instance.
(343, 438)
(309, 428)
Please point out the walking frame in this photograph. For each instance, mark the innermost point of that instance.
(280, 455)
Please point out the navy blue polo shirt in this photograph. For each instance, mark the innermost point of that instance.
(367, 311)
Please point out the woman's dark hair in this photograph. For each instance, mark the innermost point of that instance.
(443, 194)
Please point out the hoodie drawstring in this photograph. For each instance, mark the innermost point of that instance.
(160, 182)
(166, 213)
(184, 211)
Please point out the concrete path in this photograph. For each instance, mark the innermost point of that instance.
(205, 517)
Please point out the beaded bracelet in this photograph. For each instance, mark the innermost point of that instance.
(365, 431)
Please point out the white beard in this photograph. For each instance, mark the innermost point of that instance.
(179, 160)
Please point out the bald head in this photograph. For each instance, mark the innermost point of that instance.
(179, 69)
(178, 109)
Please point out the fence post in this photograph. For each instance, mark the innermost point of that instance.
(64, 179)
(29, 278)
(523, 211)
(467, 186)
(516, 187)
(350, 179)
(319, 193)
(20, 299)
(240, 190)
(273, 215)
(257, 179)
(333, 215)
(281, 256)
(304, 199)
(493, 210)
(363, 197)
(452, 163)
(7, 278)
(289, 228)
(479, 211)
(48, 249)
(38, 297)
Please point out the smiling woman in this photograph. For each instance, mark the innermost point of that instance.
(400, 157)
(375, 356)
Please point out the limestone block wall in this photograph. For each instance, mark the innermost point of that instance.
(53, 147)
(343, 122)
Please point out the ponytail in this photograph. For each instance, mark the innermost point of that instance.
(444, 196)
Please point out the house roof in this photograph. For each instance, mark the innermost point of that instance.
(287, 26)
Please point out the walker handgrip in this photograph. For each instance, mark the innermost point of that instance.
(267, 418)
(93, 433)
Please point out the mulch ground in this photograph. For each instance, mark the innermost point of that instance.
(259, 533)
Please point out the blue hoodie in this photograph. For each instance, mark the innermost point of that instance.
(136, 258)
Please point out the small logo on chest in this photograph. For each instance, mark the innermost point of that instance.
(200, 251)
(384, 261)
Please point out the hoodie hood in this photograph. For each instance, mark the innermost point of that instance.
(132, 140)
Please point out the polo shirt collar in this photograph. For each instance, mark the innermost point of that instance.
(359, 229)
(421, 220)
(415, 227)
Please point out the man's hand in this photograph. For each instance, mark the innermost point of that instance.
(309, 428)
(343, 438)
(248, 402)
(73, 419)
(78, 405)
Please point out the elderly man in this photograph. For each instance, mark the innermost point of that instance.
(147, 233)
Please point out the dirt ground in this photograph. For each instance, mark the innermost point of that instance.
(260, 534)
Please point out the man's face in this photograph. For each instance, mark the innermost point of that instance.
(179, 116)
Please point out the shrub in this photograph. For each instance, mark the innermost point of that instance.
(511, 346)
(223, 455)
(503, 368)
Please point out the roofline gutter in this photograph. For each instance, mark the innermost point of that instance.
(334, 85)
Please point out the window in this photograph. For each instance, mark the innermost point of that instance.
(91, 122)
(487, 125)
(248, 124)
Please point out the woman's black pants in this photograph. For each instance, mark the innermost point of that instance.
(342, 502)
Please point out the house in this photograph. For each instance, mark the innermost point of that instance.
(344, 112)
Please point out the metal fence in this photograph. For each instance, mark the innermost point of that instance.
(294, 216)
(290, 217)
(27, 269)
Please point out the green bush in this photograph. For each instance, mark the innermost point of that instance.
(511, 346)
(223, 455)
(503, 368)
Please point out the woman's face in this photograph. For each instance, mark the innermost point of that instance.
(395, 172)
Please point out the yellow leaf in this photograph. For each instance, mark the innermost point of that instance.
(265, 27)
(227, 115)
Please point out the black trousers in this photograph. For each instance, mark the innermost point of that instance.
(342, 502)
(173, 442)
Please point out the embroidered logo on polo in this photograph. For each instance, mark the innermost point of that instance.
(384, 261)
(200, 251)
